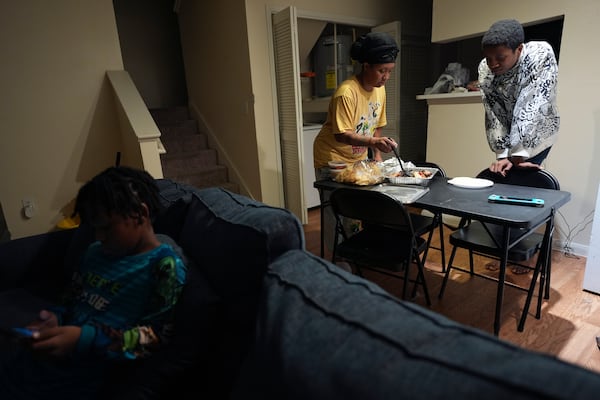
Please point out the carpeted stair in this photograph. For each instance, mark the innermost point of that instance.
(188, 158)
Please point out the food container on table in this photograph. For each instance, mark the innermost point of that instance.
(360, 173)
(415, 179)
(335, 167)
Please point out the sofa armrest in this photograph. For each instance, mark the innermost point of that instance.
(327, 334)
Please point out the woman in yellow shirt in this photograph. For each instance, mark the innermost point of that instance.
(357, 109)
(356, 114)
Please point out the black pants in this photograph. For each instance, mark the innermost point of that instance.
(540, 157)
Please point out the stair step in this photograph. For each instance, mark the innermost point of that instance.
(201, 184)
(188, 158)
(209, 176)
(170, 115)
(186, 127)
(177, 144)
(181, 163)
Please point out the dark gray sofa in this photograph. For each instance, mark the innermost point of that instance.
(261, 318)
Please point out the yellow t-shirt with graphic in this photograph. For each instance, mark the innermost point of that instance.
(351, 109)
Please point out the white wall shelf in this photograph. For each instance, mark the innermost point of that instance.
(451, 98)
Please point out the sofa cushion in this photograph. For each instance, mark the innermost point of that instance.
(323, 333)
(175, 197)
(233, 239)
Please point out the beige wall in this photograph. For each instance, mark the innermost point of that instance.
(458, 126)
(216, 61)
(58, 125)
(574, 158)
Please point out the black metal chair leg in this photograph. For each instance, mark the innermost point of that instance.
(421, 277)
(420, 280)
(426, 251)
(546, 260)
(447, 274)
(406, 279)
(442, 246)
(548, 270)
(525, 312)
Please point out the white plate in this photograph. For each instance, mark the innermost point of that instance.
(470, 183)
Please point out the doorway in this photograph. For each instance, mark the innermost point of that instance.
(286, 45)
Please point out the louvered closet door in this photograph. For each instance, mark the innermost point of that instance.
(287, 76)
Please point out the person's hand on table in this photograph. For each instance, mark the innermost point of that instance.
(502, 166)
(519, 162)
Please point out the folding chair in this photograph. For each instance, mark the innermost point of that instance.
(386, 243)
(483, 238)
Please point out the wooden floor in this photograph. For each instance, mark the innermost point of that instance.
(570, 319)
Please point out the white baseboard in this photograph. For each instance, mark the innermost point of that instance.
(577, 249)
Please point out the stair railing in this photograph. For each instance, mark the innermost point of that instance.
(140, 135)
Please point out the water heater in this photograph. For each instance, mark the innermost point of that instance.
(330, 74)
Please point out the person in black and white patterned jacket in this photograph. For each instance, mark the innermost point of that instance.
(518, 84)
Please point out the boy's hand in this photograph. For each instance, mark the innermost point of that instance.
(56, 341)
(46, 319)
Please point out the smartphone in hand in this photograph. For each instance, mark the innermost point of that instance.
(17, 333)
(23, 332)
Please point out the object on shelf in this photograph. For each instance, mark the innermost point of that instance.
(306, 85)
(454, 76)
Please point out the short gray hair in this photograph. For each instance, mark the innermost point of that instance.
(507, 32)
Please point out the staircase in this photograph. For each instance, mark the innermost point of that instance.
(188, 158)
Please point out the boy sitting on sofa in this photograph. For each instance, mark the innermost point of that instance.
(120, 306)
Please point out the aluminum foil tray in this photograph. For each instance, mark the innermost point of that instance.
(409, 180)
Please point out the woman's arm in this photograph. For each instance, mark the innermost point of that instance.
(377, 142)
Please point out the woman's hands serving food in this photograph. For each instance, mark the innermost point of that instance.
(384, 144)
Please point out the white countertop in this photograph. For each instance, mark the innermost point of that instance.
(451, 98)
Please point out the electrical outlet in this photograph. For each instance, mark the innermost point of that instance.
(28, 207)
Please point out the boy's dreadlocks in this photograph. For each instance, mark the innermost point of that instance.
(118, 190)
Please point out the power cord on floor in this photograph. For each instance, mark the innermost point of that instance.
(573, 232)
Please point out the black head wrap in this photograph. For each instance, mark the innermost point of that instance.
(375, 48)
